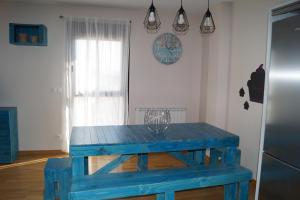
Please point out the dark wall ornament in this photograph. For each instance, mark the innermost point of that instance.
(256, 85)
(246, 105)
(242, 92)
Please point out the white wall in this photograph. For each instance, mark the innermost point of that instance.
(250, 20)
(29, 74)
(230, 55)
(216, 66)
(236, 49)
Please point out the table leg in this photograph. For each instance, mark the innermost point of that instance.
(190, 155)
(166, 196)
(142, 164)
(230, 191)
(230, 157)
(78, 167)
(160, 196)
(244, 190)
(86, 165)
(199, 156)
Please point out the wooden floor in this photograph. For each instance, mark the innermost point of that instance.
(24, 179)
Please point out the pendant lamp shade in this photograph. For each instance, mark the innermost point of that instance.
(208, 24)
(152, 22)
(181, 23)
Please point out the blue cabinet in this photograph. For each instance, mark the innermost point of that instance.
(8, 134)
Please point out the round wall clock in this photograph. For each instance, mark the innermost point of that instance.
(167, 48)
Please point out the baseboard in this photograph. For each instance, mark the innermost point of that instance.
(41, 152)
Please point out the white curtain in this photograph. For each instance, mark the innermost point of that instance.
(96, 73)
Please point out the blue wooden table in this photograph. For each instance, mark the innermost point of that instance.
(128, 140)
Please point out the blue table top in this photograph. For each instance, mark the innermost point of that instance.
(140, 134)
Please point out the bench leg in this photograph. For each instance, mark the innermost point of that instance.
(244, 190)
(64, 186)
(199, 156)
(142, 162)
(214, 156)
(166, 196)
(49, 193)
(190, 155)
(230, 191)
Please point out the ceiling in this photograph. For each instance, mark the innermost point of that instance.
(189, 5)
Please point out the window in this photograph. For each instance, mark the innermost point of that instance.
(98, 98)
(97, 72)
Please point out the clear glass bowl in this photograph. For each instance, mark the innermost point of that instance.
(157, 120)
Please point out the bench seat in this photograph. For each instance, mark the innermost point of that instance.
(166, 181)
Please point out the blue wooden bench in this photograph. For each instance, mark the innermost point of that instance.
(57, 174)
(163, 183)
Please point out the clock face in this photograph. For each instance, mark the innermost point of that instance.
(167, 48)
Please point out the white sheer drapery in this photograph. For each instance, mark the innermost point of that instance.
(97, 72)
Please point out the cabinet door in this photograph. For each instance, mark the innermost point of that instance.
(279, 181)
(4, 121)
(13, 123)
(5, 137)
(282, 134)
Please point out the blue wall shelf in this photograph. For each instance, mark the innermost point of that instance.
(28, 34)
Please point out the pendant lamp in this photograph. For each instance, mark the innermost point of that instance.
(181, 24)
(152, 22)
(207, 24)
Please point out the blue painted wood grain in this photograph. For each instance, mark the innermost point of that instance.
(78, 166)
(199, 156)
(142, 164)
(169, 195)
(166, 196)
(160, 196)
(57, 178)
(113, 164)
(9, 145)
(230, 190)
(136, 134)
(119, 185)
(218, 156)
(244, 190)
(134, 139)
(137, 139)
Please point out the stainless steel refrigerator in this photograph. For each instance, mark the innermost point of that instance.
(280, 171)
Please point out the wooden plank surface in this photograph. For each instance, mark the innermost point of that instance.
(131, 134)
(130, 139)
(155, 182)
(24, 179)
